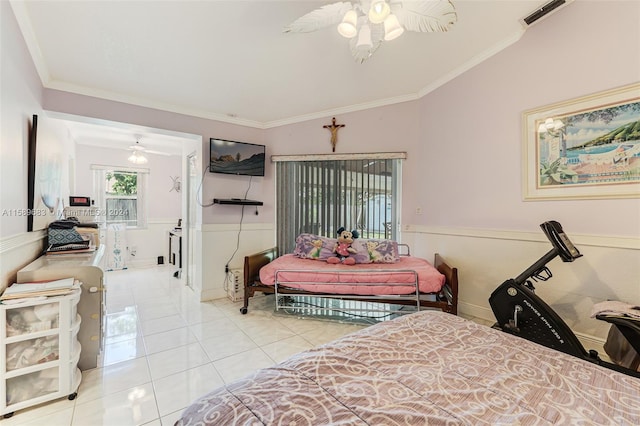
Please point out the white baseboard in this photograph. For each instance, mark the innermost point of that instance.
(143, 263)
(475, 311)
(592, 342)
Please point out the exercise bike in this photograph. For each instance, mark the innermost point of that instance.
(519, 311)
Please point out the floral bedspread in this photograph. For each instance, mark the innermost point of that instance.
(424, 368)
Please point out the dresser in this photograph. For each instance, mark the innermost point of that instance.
(40, 351)
(89, 269)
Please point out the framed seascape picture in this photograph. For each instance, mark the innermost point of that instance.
(584, 148)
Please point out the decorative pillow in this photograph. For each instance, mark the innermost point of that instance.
(310, 246)
(376, 251)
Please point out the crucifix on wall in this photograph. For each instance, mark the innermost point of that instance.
(333, 128)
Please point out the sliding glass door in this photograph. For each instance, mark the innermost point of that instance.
(319, 194)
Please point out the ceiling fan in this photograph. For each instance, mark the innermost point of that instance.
(138, 151)
(368, 23)
(142, 148)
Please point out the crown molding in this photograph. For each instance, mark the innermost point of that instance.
(496, 48)
(342, 110)
(22, 17)
(147, 103)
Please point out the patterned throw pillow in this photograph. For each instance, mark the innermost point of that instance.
(310, 246)
(376, 251)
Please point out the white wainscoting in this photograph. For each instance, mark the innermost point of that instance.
(608, 270)
(219, 243)
(17, 251)
(145, 245)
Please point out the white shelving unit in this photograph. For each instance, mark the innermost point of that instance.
(39, 351)
(89, 269)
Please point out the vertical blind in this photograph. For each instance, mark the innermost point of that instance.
(319, 195)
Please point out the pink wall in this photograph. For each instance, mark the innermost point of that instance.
(21, 97)
(162, 203)
(471, 129)
(385, 129)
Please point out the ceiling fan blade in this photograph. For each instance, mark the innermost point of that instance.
(426, 15)
(143, 150)
(166, 154)
(323, 17)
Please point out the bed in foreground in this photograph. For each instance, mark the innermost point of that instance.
(425, 368)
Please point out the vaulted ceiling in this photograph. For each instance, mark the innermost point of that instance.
(231, 61)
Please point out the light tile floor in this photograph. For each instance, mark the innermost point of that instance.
(163, 349)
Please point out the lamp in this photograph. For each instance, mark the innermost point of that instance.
(392, 28)
(375, 21)
(347, 27)
(379, 11)
(137, 157)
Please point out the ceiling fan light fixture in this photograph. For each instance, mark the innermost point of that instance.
(364, 37)
(348, 27)
(379, 11)
(369, 23)
(137, 157)
(392, 28)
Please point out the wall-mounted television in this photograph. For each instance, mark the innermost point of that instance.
(236, 158)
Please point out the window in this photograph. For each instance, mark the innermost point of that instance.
(120, 195)
(319, 194)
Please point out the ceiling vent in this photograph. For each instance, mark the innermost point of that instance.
(543, 11)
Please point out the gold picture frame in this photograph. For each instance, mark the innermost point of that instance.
(583, 148)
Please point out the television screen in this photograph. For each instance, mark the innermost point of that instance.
(236, 158)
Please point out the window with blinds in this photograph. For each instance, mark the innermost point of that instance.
(319, 194)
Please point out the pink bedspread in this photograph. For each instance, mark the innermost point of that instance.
(362, 279)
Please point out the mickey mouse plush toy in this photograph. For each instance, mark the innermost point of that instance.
(343, 248)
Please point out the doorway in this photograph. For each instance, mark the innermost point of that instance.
(97, 141)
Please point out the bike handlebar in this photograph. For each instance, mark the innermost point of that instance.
(562, 246)
(567, 251)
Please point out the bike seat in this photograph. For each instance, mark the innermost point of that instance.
(628, 326)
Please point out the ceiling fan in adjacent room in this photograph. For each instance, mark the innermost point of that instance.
(137, 153)
(367, 23)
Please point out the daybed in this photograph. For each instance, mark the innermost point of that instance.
(425, 368)
(408, 281)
